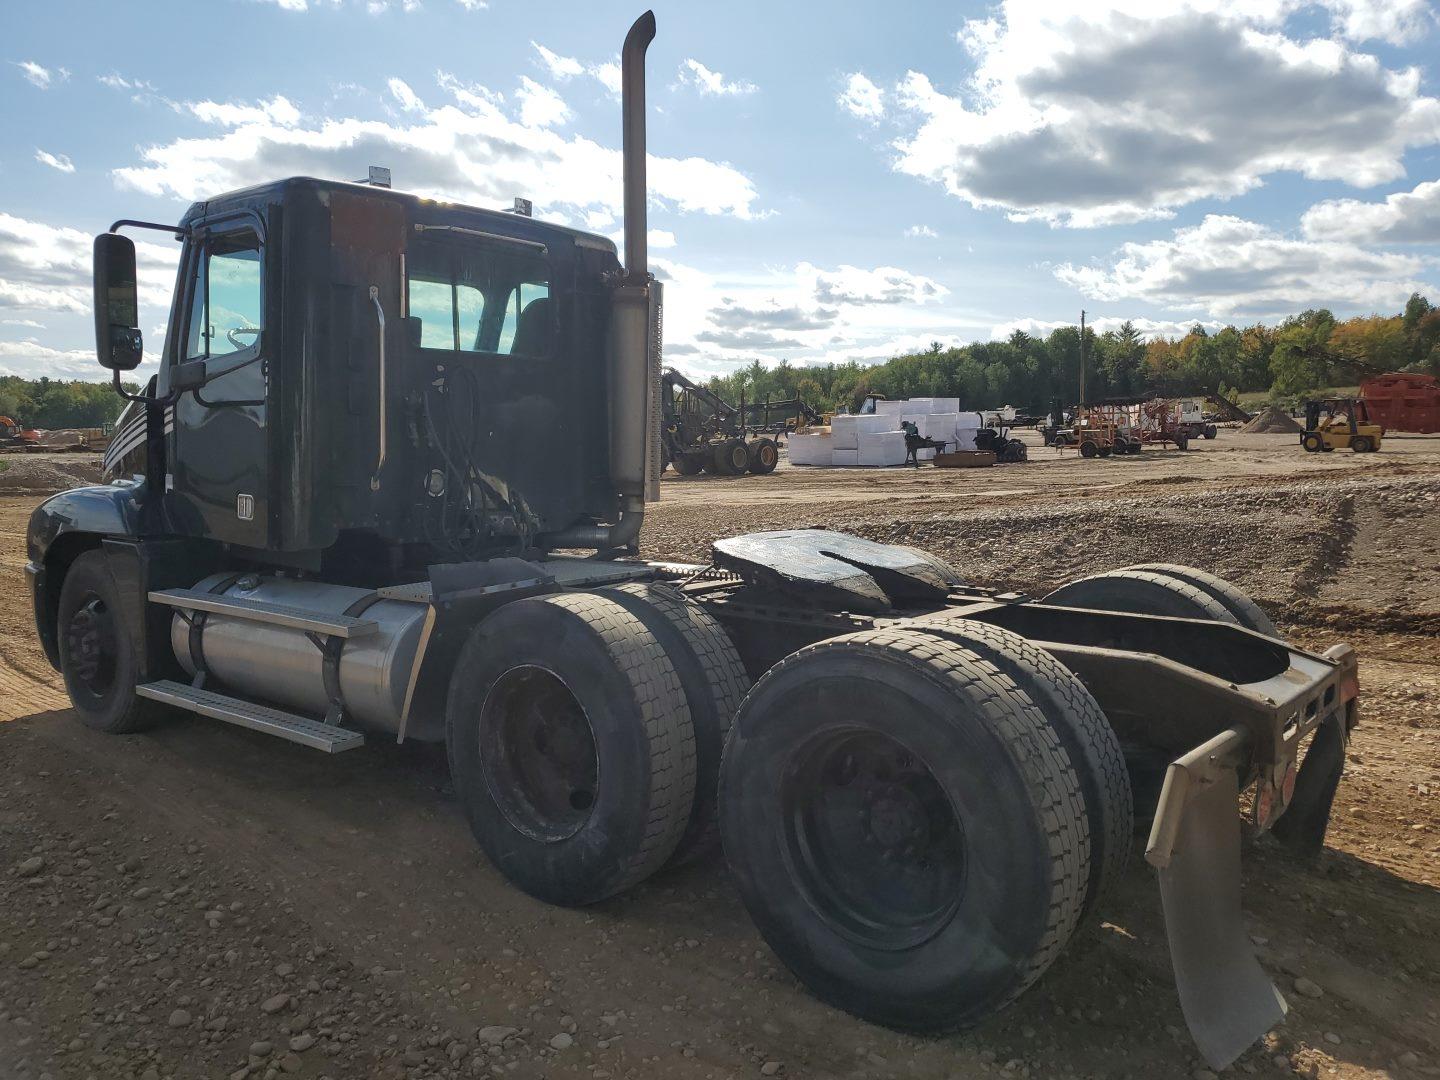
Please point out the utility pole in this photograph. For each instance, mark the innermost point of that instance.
(1081, 401)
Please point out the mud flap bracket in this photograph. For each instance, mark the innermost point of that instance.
(1228, 1000)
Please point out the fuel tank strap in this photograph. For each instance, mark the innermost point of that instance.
(196, 623)
(331, 648)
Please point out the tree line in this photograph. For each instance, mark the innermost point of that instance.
(49, 404)
(1303, 353)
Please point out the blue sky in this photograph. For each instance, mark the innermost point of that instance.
(827, 182)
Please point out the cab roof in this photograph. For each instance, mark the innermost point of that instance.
(417, 208)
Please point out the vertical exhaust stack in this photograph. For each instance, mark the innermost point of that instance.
(633, 351)
(632, 91)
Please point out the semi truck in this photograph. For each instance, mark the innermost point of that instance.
(340, 531)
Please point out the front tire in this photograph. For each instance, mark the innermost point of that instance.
(97, 655)
(904, 827)
(688, 465)
(570, 746)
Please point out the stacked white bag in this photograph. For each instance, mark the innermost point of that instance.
(844, 459)
(882, 448)
(846, 430)
(891, 408)
(810, 449)
(966, 425)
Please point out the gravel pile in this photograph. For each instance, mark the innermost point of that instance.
(1272, 421)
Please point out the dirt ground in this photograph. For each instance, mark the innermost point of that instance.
(202, 901)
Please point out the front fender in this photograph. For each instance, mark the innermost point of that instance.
(61, 528)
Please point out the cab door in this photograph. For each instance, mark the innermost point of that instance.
(219, 479)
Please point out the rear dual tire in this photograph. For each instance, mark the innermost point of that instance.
(905, 827)
(1165, 589)
(571, 746)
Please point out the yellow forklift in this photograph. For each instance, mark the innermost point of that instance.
(1339, 422)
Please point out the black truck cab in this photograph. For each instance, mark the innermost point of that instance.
(374, 341)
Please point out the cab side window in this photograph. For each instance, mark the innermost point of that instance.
(225, 309)
(481, 298)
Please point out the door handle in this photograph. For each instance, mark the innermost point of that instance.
(380, 320)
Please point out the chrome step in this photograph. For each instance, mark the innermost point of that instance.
(318, 622)
(297, 729)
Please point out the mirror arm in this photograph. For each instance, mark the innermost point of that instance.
(180, 232)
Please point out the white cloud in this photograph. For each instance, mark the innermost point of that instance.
(408, 99)
(609, 75)
(862, 98)
(473, 5)
(29, 324)
(42, 77)
(1226, 266)
(924, 232)
(1096, 114)
(559, 67)
(60, 162)
(470, 151)
(30, 360)
(540, 106)
(45, 268)
(804, 313)
(883, 285)
(1406, 217)
(289, 5)
(712, 83)
(277, 110)
(115, 81)
(563, 68)
(1399, 22)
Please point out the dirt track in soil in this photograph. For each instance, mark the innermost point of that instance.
(194, 873)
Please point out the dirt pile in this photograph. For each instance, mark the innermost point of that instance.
(1271, 421)
(46, 474)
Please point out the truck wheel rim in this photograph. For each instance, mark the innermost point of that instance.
(91, 646)
(537, 750)
(873, 840)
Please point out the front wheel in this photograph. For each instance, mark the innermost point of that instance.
(97, 655)
(688, 464)
(1088, 449)
(1311, 443)
(1362, 444)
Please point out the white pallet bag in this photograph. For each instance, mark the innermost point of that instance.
(890, 408)
(944, 405)
(809, 449)
(882, 448)
(940, 426)
(844, 459)
(964, 439)
(844, 432)
(876, 422)
(927, 454)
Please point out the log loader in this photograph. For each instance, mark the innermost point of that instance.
(340, 532)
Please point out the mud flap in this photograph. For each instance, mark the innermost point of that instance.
(1228, 1000)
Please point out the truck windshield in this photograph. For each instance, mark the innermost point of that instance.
(480, 298)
